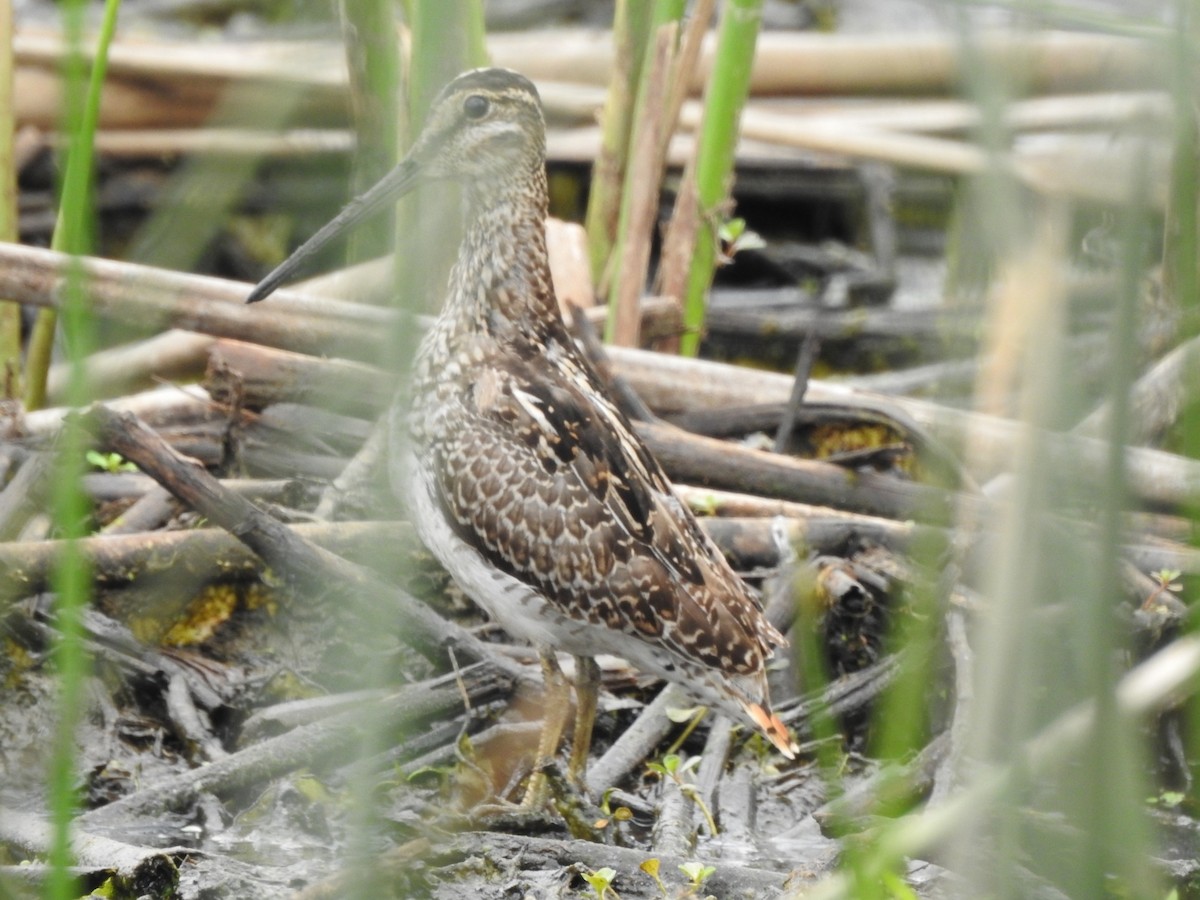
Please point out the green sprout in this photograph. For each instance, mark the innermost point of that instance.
(692, 715)
(620, 814)
(673, 766)
(109, 462)
(697, 873)
(601, 882)
(1168, 799)
(735, 237)
(1165, 580)
(651, 867)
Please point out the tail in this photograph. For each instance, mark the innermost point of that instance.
(773, 728)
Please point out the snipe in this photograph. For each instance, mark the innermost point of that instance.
(521, 475)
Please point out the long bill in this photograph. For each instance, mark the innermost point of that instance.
(394, 185)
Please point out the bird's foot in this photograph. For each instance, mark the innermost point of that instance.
(550, 801)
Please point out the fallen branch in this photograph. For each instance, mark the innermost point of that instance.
(143, 871)
(160, 299)
(410, 708)
(303, 564)
(269, 376)
(673, 384)
(173, 355)
(713, 463)
(199, 556)
(729, 880)
(667, 383)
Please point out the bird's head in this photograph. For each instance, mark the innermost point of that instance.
(483, 128)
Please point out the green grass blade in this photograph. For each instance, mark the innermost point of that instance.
(72, 576)
(727, 90)
(71, 232)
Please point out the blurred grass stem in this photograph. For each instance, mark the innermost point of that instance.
(10, 313)
(72, 586)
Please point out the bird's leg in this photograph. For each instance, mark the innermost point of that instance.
(587, 690)
(556, 698)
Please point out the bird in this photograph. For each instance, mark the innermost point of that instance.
(521, 474)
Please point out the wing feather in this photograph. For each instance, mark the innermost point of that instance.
(602, 535)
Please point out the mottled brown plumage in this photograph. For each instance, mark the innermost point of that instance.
(521, 474)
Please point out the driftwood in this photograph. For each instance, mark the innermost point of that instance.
(147, 513)
(729, 881)
(144, 871)
(203, 555)
(673, 384)
(667, 383)
(154, 407)
(197, 556)
(1155, 399)
(247, 141)
(950, 378)
(406, 865)
(106, 486)
(26, 494)
(747, 313)
(157, 298)
(259, 376)
(687, 458)
(160, 299)
(171, 356)
(303, 564)
(409, 709)
(708, 462)
(673, 834)
(772, 479)
(638, 741)
(177, 83)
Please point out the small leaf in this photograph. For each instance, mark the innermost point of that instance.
(109, 462)
(681, 714)
(732, 229)
(600, 880)
(604, 798)
(1171, 799)
(650, 867)
(751, 240)
(698, 873)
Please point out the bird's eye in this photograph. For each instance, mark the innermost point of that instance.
(476, 107)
